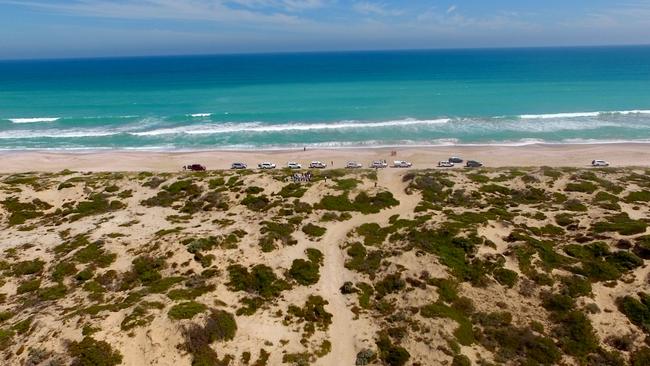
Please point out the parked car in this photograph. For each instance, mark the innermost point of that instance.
(238, 166)
(379, 164)
(455, 160)
(473, 164)
(266, 165)
(599, 163)
(195, 167)
(317, 165)
(445, 164)
(353, 165)
(293, 165)
(402, 164)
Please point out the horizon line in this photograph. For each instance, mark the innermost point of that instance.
(332, 51)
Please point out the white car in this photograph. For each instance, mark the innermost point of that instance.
(599, 163)
(378, 164)
(238, 166)
(317, 165)
(293, 165)
(445, 164)
(266, 165)
(353, 165)
(402, 164)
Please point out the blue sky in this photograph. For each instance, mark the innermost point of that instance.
(99, 28)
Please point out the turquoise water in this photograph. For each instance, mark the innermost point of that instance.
(507, 96)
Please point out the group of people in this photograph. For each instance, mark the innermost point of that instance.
(298, 177)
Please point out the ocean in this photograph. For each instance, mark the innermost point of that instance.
(329, 100)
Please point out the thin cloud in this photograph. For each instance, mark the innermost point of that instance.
(220, 11)
(370, 8)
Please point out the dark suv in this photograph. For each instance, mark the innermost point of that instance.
(473, 164)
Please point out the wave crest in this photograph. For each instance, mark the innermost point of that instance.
(34, 120)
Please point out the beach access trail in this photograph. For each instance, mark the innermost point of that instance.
(344, 327)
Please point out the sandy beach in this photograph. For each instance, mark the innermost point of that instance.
(619, 155)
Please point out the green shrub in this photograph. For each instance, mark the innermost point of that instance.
(5, 315)
(575, 286)
(362, 202)
(640, 357)
(346, 184)
(575, 206)
(63, 270)
(520, 346)
(505, 277)
(391, 283)
(637, 311)
(621, 224)
(52, 293)
(261, 280)
(220, 326)
(391, 354)
(27, 267)
(373, 234)
(257, 203)
(147, 269)
(584, 187)
(28, 286)
(576, 334)
(304, 272)
(186, 310)
(313, 312)
(292, 190)
(21, 212)
(90, 352)
(642, 196)
(363, 261)
(313, 230)
(5, 338)
(464, 333)
(461, 360)
(95, 253)
(565, 219)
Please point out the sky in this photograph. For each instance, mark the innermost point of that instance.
(105, 28)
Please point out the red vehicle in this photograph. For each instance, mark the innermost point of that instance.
(195, 168)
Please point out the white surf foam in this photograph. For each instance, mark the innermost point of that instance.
(258, 127)
(200, 115)
(559, 115)
(34, 120)
(26, 134)
(582, 114)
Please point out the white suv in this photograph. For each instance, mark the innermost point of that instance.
(293, 165)
(445, 164)
(599, 163)
(353, 165)
(266, 165)
(317, 165)
(377, 164)
(402, 164)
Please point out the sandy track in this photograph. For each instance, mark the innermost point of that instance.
(344, 328)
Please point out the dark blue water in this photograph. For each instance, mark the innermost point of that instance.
(501, 96)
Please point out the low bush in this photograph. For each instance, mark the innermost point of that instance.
(91, 352)
(637, 310)
(621, 224)
(261, 280)
(505, 277)
(304, 272)
(27, 267)
(313, 230)
(186, 310)
(584, 187)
